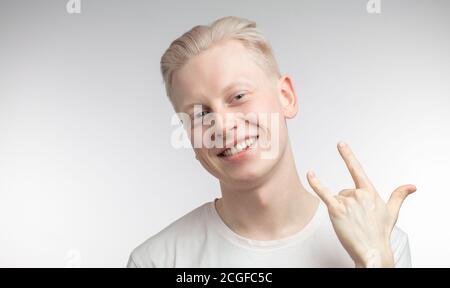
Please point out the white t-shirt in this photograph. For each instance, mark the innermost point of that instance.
(201, 239)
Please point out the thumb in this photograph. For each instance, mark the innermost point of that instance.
(398, 196)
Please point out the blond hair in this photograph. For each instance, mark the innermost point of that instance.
(201, 37)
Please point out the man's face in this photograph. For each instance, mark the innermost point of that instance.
(230, 101)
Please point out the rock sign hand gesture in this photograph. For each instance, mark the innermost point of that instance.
(363, 222)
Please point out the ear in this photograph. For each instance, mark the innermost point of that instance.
(288, 98)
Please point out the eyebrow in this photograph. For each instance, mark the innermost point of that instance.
(224, 90)
(235, 83)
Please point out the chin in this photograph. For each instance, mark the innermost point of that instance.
(247, 172)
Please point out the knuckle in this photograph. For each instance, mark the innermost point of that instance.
(359, 194)
(334, 211)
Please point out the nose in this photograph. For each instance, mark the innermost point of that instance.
(225, 124)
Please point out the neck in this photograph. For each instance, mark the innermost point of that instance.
(276, 207)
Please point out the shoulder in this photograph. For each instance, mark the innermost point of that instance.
(160, 249)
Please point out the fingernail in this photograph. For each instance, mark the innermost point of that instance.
(311, 174)
(341, 144)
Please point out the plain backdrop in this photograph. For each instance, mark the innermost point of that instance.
(87, 171)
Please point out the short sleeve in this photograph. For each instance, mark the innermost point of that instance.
(402, 253)
(131, 263)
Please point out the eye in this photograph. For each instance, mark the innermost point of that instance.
(201, 114)
(239, 96)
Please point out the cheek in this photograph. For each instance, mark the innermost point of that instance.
(196, 138)
(201, 153)
(268, 102)
(207, 162)
(205, 157)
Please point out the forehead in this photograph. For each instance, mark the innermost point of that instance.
(210, 71)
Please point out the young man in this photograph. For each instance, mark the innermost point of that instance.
(265, 217)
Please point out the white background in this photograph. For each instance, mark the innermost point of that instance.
(87, 171)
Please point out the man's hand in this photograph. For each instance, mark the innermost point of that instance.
(362, 221)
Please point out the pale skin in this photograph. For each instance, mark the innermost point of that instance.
(362, 221)
(274, 204)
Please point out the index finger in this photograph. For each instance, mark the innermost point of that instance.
(359, 176)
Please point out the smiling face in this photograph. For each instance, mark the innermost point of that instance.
(226, 85)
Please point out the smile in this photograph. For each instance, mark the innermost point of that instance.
(239, 147)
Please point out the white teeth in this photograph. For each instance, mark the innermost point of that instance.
(239, 147)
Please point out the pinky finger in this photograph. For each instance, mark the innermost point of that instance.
(320, 189)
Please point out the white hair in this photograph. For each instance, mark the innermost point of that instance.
(201, 37)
